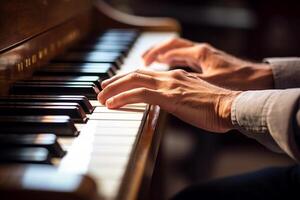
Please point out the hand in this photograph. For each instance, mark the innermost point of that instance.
(213, 65)
(178, 92)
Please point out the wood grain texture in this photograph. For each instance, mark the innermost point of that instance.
(142, 159)
(21, 20)
(107, 16)
(19, 62)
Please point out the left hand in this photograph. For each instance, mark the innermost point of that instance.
(178, 92)
(214, 66)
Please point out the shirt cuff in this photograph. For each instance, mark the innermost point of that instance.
(261, 115)
(248, 115)
(286, 72)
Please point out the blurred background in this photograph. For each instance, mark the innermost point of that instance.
(251, 29)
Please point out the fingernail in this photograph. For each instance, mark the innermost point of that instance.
(99, 97)
(146, 63)
(103, 84)
(109, 103)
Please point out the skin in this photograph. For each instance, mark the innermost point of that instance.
(212, 65)
(202, 98)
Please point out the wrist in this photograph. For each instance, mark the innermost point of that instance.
(263, 76)
(225, 104)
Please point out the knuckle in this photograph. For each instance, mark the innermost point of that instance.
(178, 73)
(152, 80)
(173, 40)
(144, 92)
(204, 48)
(139, 71)
(134, 76)
(173, 84)
(206, 45)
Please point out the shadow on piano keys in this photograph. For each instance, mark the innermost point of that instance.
(56, 140)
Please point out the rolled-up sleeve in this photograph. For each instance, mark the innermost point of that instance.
(272, 117)
(286, 72)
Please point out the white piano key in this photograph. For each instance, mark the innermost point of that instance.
(117, 116)
(140, 105)
(108, 161)
(65, 140)
(110, 150)
(120, 110)
(108, 173)
(108, 187)
(104, 146)
(117, 131)
(98, 124)
(114, 140)
(79, 126)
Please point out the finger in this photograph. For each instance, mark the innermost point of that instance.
(178, 63)
(112, 79)
(146, 52)
(180, 54)
(116, 77)
(131, 81)
(151, 55)
(185, 56)
(138, 95)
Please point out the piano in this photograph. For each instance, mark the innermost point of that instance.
(56, 140)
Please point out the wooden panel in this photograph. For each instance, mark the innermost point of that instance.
(19, 62)
(20, 20)
(143, 157)
(113, 18)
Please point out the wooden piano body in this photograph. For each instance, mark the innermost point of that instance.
(34, 32)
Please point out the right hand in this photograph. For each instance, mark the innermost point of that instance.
(212, 65)
(178, 92)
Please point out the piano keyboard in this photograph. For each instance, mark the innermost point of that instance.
(54, 117)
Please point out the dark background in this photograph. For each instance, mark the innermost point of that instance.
(251, 29)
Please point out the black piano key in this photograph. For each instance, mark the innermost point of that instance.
(94, 79)
(105, 47)
(121, 32)
(104, 70)
(59, 125)
(72, 110)
(125, 34)
(117, 38)
(31, 103)
(102, 67)
(28, 82)
(101, 47)
(47, 141)
(34, 155)
(85, 90)
(93, 57)
(81, 100)
(107, 68)
(115, 41)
